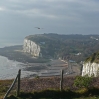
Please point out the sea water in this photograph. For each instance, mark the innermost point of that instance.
(9, 68)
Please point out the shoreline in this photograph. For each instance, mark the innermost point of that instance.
(54, 70)
(49, 69)
(16, 53)
(42, 68)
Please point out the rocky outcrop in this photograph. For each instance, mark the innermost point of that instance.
(91, 65)
(31, 47)
(90, 69)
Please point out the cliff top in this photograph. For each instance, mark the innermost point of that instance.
(39, 38)
(61, 36)
(94, 58)
(67, 46)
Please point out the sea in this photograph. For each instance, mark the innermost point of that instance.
(9, 68)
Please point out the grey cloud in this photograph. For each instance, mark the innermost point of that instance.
(60, 8)
(19, 17)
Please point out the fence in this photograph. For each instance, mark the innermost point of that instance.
(17, 79)
(61, 81)
(18, 85)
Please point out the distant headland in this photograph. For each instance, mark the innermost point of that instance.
(42, 47)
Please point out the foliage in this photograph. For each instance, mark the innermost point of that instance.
(57, 46)
(56, 94)
(37, 77)
(82, 81)
(93, 58)
(82, 93)
(15, 53)
(4, 86)
(66, 46)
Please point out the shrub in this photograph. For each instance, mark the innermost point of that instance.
(82, 81)
(37, 77)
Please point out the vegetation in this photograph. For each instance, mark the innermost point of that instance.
(15, 53)
(56, 94)
(4, 85)
(68, 47)
(79, 93)
(93, 58)
(71, 47)
(82, 81)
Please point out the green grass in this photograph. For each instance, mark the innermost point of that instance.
(87, 98)
(83, 93)
(4, 86)
(93, 58)
(80, 93)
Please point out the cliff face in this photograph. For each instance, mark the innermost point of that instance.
(31, 47)
(91, 65)
(90, 69)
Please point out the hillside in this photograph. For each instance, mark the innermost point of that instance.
(93, 58)
(71, 47)
(68, 47)
(48, 88)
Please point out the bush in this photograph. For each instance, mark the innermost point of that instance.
(82, 81)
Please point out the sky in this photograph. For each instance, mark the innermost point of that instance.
(20, 18)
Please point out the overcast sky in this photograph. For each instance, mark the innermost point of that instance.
(18, 18)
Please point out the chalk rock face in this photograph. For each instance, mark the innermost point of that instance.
(90, 69)
(31, 47)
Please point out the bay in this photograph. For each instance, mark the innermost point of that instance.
(10, 42)
(9, 68)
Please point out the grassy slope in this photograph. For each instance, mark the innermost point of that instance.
(81, 93)
(56, 94)
(4, 85)
(93, 58)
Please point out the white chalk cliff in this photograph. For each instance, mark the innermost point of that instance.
(90, 69)
(31, 47)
